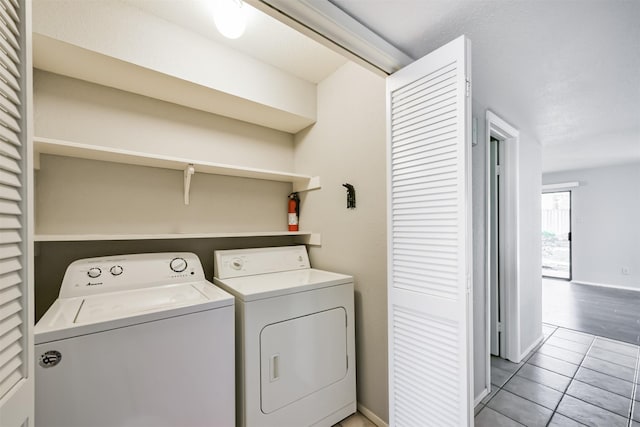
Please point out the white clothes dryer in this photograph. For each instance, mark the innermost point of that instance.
(136, 340)
(295, 350)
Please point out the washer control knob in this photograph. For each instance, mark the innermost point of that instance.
(116, 270)
(237, 264)
(178, 265)
(94, 272)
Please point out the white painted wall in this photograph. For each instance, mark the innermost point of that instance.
(530, 184)
(87, 113)
(77, 196)
(74, 196)
(529, 164)
(606, 230)
(348, 144)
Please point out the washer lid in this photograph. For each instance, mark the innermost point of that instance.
(69, 317)
(260, 286)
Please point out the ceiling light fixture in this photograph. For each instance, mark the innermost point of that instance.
(230, 17)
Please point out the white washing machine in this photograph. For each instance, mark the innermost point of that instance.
(136, 340)
(295, 351)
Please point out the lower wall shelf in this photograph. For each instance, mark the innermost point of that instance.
(301, 236)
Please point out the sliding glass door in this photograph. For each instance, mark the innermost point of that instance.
(556, 235)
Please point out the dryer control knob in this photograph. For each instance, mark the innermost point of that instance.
(116, 270)
(236, 264)
(178, 265)
(94, 272)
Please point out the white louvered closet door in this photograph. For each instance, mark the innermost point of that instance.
(429, 262)
(16, 376)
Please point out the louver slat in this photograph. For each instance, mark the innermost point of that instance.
(11, 9)
(9, 107)
(9, 63)
(6, 88)
(11, 38)
(9, 150)
(10, 79)
(9, 193)
(12, 286)
(10, 50)
(9, 222)
(9, 280)
(8, 21)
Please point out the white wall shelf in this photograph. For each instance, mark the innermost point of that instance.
(301, 236)
(116, 155)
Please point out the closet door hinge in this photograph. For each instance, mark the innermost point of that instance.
(468, 85)
(500, 327)
(498, 170)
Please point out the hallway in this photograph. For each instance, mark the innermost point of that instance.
(606, 312)
(571, 379)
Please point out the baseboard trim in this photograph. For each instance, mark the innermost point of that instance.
(481, 396)
(530, 348)
(605, 285)
(371, 416)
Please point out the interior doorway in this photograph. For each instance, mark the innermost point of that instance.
(497, 216)
(556, 235)
(502, 291)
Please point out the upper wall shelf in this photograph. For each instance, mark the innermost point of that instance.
(108, 154)
(300, 236)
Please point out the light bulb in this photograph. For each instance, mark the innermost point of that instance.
(229, 17)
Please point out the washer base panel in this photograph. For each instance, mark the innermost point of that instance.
(139, 375)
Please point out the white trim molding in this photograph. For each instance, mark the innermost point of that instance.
(605, 285)
(531, 347)
(329, 22)
(560, 186)
(484, 393)
(371, 416)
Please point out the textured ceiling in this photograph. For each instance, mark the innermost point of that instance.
(565, 71)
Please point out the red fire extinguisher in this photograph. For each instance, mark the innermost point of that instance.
(293, 211)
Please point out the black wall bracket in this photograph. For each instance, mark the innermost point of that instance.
(351, 196)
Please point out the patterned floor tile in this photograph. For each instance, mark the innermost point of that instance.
(617, 346)
(543, 376)
(613, 357)
(570, 335)
(559, 420)
(569, 345)
(522, 410)
(588, 414)
(609, 368)
(561, 353)
(599, 397)
(490, 418)
(553, 364)
(536, 392)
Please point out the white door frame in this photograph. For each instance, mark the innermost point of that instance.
(498, 128)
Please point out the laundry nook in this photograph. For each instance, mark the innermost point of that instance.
(319, 213)
(163, 153)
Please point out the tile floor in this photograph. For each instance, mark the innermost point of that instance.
(355, 420)
(571, 379)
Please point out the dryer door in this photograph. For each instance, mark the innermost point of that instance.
(301, 356)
